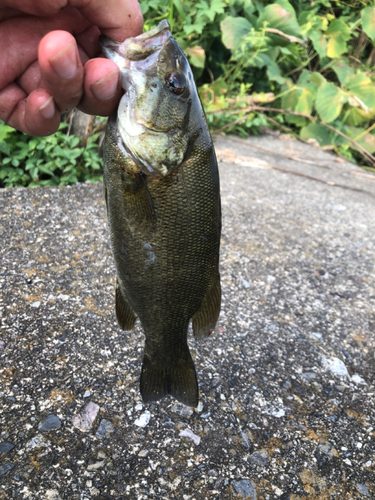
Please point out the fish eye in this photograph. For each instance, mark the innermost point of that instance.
(176, 82)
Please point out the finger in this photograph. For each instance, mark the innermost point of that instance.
(41, 115)
(102, 87)
(35, 115)
(39, 8)
(89, 41)
(21, 40)
(31, 79)
(11, 98)
(117, 19)
(61, 69)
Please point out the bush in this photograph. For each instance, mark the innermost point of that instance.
(304, 66)
(59, 159)
(313, 60)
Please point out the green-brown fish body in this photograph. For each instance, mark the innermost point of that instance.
(163, 203)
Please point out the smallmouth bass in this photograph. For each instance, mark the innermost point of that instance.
(161, 187)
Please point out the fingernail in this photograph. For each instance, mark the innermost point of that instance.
(48, 109)
(65, 63)
(106, 87)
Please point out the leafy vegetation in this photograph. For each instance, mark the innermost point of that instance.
(314, 61)
(306, 67)
(59, 159)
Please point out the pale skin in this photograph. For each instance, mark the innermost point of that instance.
(50, 59)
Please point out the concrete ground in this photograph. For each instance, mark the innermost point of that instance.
(287, 381)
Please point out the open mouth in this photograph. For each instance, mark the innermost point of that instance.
(137, 48)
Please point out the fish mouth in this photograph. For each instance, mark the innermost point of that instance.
(137, 48)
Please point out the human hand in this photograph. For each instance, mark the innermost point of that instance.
(49, 61)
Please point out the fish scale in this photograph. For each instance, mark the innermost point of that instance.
(164, 216)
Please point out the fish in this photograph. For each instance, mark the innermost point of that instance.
(162, 195)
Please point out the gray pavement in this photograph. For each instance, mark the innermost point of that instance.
(287, 380)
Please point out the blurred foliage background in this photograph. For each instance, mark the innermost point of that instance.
(303, 67)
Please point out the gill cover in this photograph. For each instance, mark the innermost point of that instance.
(153, 114)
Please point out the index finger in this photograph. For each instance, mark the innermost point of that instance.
(117, 19)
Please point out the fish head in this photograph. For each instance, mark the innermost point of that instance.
(159, 91)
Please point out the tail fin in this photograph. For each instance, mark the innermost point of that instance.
(179, 380)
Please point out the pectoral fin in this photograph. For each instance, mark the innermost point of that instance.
(105, 195)
(124, 314)
(204, 320)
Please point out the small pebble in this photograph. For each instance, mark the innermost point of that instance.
(199, 408)
(52, 495)
(5, 468)
(335, 366)
(190, 434)
(183, 410)
(38, 441)
(143, 420)
(96, 465)
(50, 423)
(357, 379)
(5, 447)
(86, 418)
(362, 488)
(245, 488)
(259, 458)
(105, 429)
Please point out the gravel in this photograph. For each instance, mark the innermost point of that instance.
(286, 381)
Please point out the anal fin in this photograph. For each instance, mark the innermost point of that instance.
(124, 313)
(204, 320)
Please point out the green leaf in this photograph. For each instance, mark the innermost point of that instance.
(4, 148)
(309, 22)
(289, 99)
(338, 33)
(196, 28)
(343, 70)
(233, 29)
(368, 21)
(356, 116)
(197, 56)
(367, 141)
(317, 78)
(318, 132)
(362, 88)
(305, 101)
(287, 6)
(319, 42)
(329, 101)
(180, 9)
(276, 17)
(274, 72)
(5, 131)
(304, 78)
(212, 8)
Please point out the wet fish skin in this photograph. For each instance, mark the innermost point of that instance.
(163, 212)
